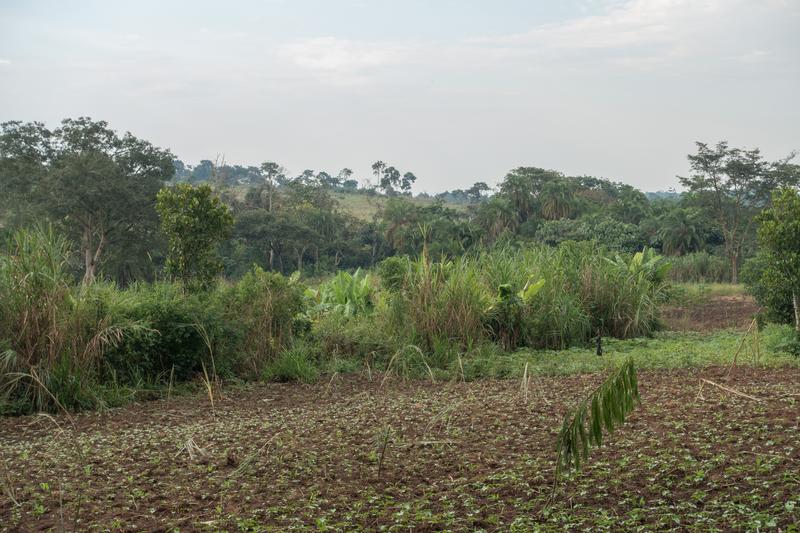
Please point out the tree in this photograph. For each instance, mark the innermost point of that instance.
(557, 200)
(273, 176)
(631, 205)
(779, 234)
(390, 180)
(475, 193)
(377, 170)
(99, 186)
(195, 223)
(680, 232)
(733, 185)
(496, 217)
(522, 187)
(408, 179)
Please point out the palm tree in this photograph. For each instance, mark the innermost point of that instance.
(680, 233)
(557, 200)
(496, 216)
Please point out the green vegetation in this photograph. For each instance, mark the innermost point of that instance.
(604, 409)
(779, 234)
(195, 222)
(253, 275)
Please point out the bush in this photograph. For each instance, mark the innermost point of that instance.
(263, 307)
(346, 294)
(178, 334)
(770, 293)
(393, 271)
(365, 337)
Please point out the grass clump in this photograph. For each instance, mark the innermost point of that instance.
(297, 363)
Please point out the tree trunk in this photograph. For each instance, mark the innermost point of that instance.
(796, 305)
(89, 266)
(91, 257)
(734, 268)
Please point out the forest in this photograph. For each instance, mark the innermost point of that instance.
(380, 335)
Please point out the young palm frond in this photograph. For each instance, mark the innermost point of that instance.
(605, 408)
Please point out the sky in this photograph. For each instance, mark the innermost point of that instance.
(455, 91)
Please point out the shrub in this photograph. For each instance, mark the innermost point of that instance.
(264, 308)
(177, 337)
(365, 337)
(770, 292)
(347, 294)
(393, 271)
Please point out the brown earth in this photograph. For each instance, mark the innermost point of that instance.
(713, 313)
(457, 456)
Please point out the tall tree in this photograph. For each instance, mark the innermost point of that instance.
(408, 180)
(522, 186)
(557, 199)
(734, 184)
(99, 185)
(195, 222)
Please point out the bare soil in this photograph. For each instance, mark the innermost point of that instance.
(458, 456)
(712, 313)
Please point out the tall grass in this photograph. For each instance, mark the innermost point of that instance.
(582, 290)
(700, 267)
(52, 334)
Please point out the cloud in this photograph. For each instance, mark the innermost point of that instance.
(631, 33)
(5, 61)
(342, 59)
(626, 34)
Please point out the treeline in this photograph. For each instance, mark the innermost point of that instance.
(99, 189)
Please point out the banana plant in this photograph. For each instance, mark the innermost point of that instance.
(347, 294)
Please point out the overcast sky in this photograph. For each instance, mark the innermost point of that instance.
(454, 90)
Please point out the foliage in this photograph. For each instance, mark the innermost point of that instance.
(733, 184)
(100, 186)
(264, 307)
(294, 364)
(347, 294)
(604, 409)
(195, 222)
(779, 234)
(699, 267)
(393, 271)
(172, 343)
(53, 336)
(771, 294)
(505, 318)
(607, 231)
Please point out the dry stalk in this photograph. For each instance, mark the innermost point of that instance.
(727, 389)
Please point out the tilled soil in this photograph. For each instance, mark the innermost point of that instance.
(713, 313)
(354, 454)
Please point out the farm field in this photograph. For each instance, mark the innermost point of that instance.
(367, 452)
(349, 275)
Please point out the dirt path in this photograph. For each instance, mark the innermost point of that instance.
(457, 456)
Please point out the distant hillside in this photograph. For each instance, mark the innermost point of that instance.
(364, 206)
